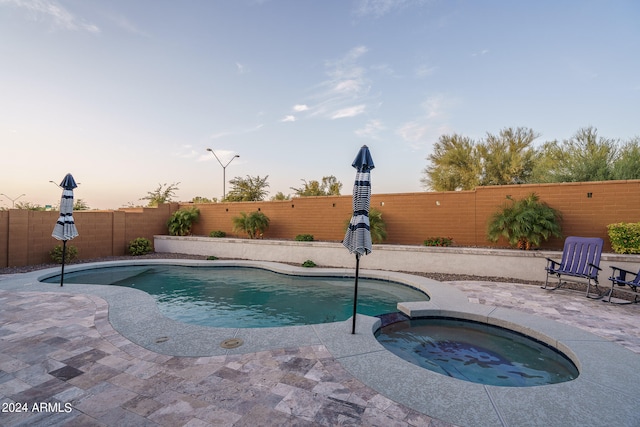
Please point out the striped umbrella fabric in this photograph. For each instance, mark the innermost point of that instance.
(65, 228)
(358, 236)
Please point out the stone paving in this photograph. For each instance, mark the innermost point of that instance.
(62, 364)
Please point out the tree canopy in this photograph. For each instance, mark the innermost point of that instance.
(249, 189)
(460, 163)
(163, 194)
(329, 186)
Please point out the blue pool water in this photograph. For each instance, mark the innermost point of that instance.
(249, 297)
(476, 352)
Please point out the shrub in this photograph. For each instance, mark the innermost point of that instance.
(377, 227)
(625, 237)
(254, 224)
(217, 233)
(438, 241)
(308, 263)
(304, 238)
(56, 254)
(525, 223)
(212, 258)
(140, 246)
(182, 220)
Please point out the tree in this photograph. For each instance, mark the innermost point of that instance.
(254, 224)
(508, 158)
(330, 186)
(199, 199)
(584, 157)
(80, 205)
(627, 163)
(251, 189)
(455, 165)
(163, 194)
(29, 206)
(281, 196)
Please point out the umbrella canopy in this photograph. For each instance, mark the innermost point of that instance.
(358, 236)
(65, 228)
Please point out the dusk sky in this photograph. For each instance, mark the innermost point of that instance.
(126, 95)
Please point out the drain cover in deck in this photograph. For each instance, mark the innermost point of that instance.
(231, 343)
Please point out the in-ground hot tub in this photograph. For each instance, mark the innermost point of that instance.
(475, 352)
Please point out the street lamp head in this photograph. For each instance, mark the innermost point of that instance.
(236, 155)
(209, 149)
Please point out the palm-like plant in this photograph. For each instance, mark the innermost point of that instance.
(525, 223)
(377, 227)
(253, 224)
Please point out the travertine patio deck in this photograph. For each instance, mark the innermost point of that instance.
(59, 346)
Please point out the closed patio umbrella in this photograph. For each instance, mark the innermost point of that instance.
(358, 236)
(65, 229)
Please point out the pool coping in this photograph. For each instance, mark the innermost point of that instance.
(604, 366)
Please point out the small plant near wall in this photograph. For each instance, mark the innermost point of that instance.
(438, 241)
(525, 223)
(182, 220)
(217, 233)
(212, 258)
(140, 246)
(308, 263)
(254, 224)
(56, 254)
(625, 237)
(377, 227)
(304, 238)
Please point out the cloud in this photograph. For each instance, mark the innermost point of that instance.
(379, 8)
(186, 152)
(289, 118)
(346, 90)
(242, 69)
(481, 53)
(50, 10)
(424, 70)
(300, 108)
(370, 130)
(430, 125)
(226, 133)
(349, 112)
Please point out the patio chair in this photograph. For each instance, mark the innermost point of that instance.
(623, 278)
(580, 263)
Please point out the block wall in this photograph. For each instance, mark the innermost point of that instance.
(587, 208)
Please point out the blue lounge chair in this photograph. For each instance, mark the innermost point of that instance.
(623, 278)
(580, 263)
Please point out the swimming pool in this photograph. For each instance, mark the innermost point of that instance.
(249, 297)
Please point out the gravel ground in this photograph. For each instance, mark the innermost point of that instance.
(441, 277)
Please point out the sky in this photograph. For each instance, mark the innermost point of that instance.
(128, 95)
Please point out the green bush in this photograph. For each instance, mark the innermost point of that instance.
(525, 223)
(304, 238)
(625, 237)
(377, 227)
(182, 220)
(212, 258)
(254, 224)
(217, 233)
(438, 241)
(56, 254)
(140, 246)
(308, 263)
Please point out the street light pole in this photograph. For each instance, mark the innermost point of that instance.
(13, 201)
(224, 171)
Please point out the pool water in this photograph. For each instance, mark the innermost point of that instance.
(238, 297)
(476, 352)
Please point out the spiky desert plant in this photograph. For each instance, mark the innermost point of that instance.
(254, 224)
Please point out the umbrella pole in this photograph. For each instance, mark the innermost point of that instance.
(64, 255)
(355, 295)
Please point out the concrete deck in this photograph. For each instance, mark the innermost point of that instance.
(102, 355)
